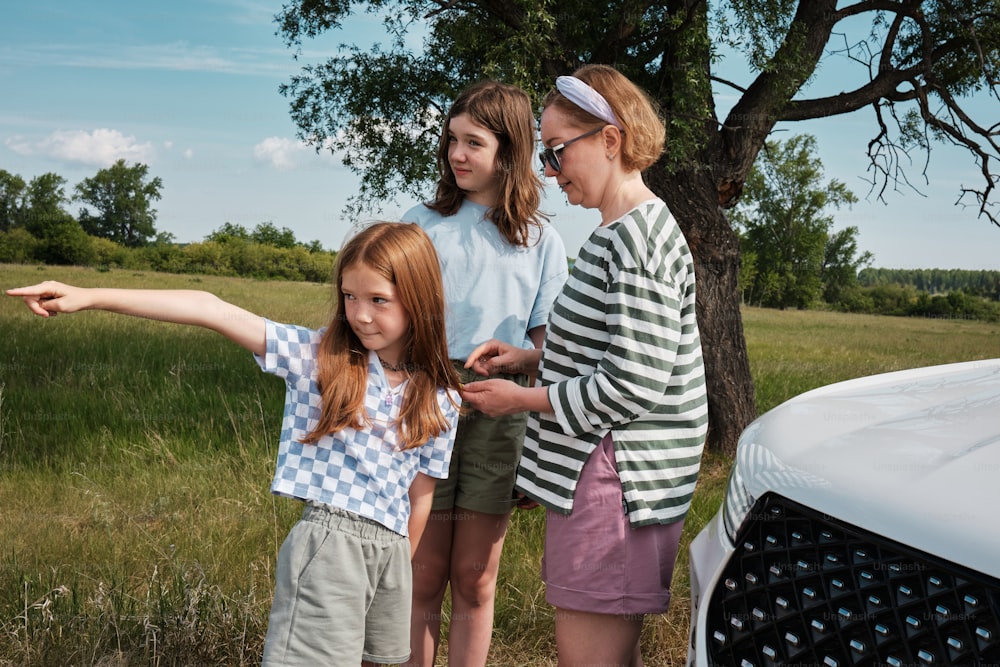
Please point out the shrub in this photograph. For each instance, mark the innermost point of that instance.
(109, 255)
(210, 258)
(65, 242)
(17, 246)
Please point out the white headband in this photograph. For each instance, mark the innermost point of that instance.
(588, 99)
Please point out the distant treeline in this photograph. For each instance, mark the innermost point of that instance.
(937, 293)
(264, 253)
(985, 284)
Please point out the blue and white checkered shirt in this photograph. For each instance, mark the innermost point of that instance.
(362, 472)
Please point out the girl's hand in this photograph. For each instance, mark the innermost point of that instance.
(51, 298)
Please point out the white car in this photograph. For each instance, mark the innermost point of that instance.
(861, 526)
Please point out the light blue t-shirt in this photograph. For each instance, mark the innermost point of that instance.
(492, 289)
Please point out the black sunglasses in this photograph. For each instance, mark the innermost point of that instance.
(550, 156)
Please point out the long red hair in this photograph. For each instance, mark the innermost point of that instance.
(405, 256)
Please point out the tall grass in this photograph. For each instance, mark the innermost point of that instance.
(135, 457)
(794, 351)
(136, 525)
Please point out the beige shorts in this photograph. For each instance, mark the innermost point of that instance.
(342, 593)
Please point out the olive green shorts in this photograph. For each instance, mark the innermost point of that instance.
(484, 461)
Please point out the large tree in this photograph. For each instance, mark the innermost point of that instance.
(784, 223)
(842, 263)
(12, 200)
(43, 205)
(913, 63)
(122, 197)
(61, 240)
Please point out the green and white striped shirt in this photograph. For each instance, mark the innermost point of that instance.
(622, 354)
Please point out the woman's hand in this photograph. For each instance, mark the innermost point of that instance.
(494, 398)
(495, 356)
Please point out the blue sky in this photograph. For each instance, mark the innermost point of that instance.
(190, 88)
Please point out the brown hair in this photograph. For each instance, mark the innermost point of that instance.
(404, 255)
(505, 111)
(643, 131)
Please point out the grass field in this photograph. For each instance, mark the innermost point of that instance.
(136, 525)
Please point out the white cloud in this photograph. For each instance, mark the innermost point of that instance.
(280, 153)
(100, 148)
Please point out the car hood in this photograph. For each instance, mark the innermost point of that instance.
(913, 456)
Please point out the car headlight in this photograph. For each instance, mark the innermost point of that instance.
(738, 501)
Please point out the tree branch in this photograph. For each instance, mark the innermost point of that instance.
(889, 85)
(755, 114)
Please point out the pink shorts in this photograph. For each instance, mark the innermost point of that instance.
(595, 561)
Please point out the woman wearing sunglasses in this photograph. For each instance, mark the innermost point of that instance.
(502, 265)
(619, 417)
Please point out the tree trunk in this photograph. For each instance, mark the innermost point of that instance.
(715, 247)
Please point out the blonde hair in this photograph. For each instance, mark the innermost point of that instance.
(643, 131)
(505, 111)
(404, 255)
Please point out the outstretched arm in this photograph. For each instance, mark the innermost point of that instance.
(201, 309)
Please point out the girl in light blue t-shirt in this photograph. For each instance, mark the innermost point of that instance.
(502, 266)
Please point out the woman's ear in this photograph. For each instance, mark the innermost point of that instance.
(612, 141)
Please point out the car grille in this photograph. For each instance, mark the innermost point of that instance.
(803, 588)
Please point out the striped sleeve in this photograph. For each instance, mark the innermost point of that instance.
(635, 307)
